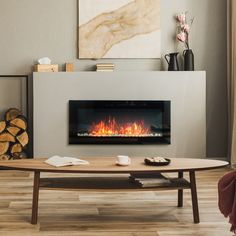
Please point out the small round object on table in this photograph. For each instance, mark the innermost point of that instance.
(149, 162)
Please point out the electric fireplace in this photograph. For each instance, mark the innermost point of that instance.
(119, 122)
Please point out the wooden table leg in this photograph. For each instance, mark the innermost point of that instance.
(34, 217)
(194, 197)
(180, 191)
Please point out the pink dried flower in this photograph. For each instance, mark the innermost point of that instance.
(183, 28)
(186, 28)
(181, 18)
(181, 37)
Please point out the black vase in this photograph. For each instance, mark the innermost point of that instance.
(173, 64)
(188, 60)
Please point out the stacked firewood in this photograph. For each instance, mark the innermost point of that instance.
(13, 135)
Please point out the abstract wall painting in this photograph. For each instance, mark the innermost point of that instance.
(119, 29)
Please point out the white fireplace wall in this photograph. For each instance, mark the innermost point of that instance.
(186, 90)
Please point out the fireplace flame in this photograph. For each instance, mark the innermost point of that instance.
(110, 127)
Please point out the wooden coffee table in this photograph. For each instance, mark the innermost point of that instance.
(101, 165)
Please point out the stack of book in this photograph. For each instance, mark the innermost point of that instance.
(105, 67)
(149, 180)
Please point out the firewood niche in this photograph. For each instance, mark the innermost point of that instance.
(13, 135)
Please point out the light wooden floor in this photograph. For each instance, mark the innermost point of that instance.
(108, 214)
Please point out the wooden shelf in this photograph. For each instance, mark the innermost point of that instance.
(106, 184)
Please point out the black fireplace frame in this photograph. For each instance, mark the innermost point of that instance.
(165, 105)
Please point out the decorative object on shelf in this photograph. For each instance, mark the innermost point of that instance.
(69, 67)
(45, 65)
(46, 68)
(183, 32)
(44, 61)
(13, 135)
(105, 67)
(173, 64)
(188, 60)
(119, 29)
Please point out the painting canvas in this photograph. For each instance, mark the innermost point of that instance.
(119, 29)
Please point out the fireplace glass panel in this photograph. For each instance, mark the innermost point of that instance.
(119, 122)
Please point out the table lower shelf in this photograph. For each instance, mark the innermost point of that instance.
(110, 184)
(106, 184)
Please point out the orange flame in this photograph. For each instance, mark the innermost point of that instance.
(110, 127)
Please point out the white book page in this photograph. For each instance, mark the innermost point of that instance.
(58, 161)
(75, 161)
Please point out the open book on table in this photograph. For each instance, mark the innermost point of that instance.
(58, 161)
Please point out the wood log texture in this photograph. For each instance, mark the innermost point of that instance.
(12, 113)
(4, 146)
(16, 148)
(23, 139)
(4, 157)
(6, 137)
(19, 122)
(13, 130)
(19, 155)
(13, 135)
(2, 126)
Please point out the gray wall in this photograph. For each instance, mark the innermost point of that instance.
(33, 29)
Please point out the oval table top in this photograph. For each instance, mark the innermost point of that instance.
(107, 165)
